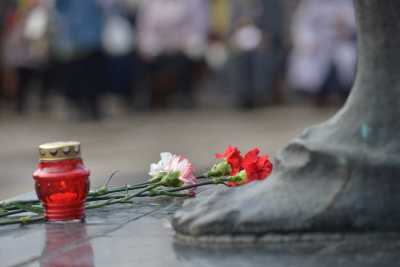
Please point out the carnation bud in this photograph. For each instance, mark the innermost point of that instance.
(239, 178)
(220, 169)
(25, 219)
(171, 179)
(157, 178)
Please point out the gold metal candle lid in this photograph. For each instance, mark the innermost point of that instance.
(60, 151)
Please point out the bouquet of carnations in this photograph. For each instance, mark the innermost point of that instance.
(172, 176)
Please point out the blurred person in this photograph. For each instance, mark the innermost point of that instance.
(219, 23)
(77, 48)
(172, 37)
(5, 6)
(323, 59)
(257, 54)
(25, 50)
(119, 42)
(219, 17)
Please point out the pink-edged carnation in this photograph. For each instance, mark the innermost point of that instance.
(171, 165)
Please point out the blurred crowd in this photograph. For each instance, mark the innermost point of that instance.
(154, 53)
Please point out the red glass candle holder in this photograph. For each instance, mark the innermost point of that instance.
(62, 181)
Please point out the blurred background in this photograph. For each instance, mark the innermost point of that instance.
(132, 78)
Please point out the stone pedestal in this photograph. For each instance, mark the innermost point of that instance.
(340, 176)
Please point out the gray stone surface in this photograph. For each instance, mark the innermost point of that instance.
(341, 175)
(141, 236)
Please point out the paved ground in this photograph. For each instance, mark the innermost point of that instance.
(130, 143)
(141, 236)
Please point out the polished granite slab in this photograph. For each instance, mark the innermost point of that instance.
(140, 235)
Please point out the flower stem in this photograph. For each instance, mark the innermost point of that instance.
(13, 212)
(30, 208)
(13, 205)
(17, 207)
(170, 194)
(202, 176)
(211, 182)
(92, 196)
(149, 188)
(112, 201)
(23, 220)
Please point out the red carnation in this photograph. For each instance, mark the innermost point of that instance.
(256, 167)
(233, 157)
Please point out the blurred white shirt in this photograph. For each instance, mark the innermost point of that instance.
(167, 26)
(322, 36)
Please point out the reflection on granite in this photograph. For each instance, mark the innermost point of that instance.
(140, 235)
(353, 251)
(67, 245)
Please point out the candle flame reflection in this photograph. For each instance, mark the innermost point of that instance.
(67, 245)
